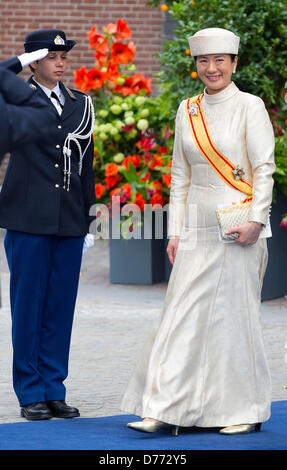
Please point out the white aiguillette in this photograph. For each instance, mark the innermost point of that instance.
(233, 215)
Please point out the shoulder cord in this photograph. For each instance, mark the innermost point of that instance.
(88, 116)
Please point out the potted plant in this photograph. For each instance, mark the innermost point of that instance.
(133, 144)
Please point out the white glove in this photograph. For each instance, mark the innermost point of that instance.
(29, 57)
(89, 242)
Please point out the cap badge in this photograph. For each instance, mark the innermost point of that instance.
(193, 109)
(59, 41)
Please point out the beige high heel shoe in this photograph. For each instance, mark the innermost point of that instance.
(147, 425)
(241, 429)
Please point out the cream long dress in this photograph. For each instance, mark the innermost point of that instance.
(204, 362)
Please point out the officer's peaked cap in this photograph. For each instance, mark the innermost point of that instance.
(53, 39)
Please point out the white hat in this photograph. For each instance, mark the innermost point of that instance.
(213, 41)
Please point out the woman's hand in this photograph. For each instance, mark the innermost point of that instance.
(248, 233)
(172, 248)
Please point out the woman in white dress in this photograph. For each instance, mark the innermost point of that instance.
(204, 363)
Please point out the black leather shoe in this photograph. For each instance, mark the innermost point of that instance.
(36, 411)
(60, 409)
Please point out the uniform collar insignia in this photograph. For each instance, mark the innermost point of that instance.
(31, 85)
(70, 93)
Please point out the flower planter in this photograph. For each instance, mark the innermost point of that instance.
(275, 280)
(137, 261)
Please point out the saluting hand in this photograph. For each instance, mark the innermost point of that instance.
(28, 57)
(172, 248)
(248, 233)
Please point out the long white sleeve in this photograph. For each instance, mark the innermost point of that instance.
(260, 150)
(180, 179)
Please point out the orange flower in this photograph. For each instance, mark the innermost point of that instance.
(101, 59)
(157, 161)
(111, 181)
(123, 53)
(122, 30)
(82, 80)
(96, 78)
(133, 159)
(166, 179)
(112, 71)
(139, 200)
(99, 189)
(111, 169)
(134, 84)
(98, 41)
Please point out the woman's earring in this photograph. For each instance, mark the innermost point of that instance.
(234, 70)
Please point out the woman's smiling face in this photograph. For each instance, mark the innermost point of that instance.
(215, 71)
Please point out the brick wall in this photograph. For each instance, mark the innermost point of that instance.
(76, 17)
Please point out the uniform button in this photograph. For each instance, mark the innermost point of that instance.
(57, 146)
(59, 127)
(56, 186)
(56, 165)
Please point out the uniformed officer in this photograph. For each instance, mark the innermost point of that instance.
(44, 205)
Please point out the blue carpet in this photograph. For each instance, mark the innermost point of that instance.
(111, 433)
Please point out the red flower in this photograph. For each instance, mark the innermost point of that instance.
(162, 150)
(157, 161)
(122, 30)
(111, 169)
(146, 177)
(139, 200)
(156, 199)
(99, 189)
(124, 193)
(157, 185)
(98, 41)
(111, 181)
(82, 80)
(133, 159)
(96, 78)
(166, 179)
(123, 53)
(134, 84)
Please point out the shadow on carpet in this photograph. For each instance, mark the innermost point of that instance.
(111, 433)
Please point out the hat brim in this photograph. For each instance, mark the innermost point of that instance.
(50, 45)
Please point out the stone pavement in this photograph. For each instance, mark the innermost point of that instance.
(111, 324)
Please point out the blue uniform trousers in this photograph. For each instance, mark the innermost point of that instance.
(44, 272)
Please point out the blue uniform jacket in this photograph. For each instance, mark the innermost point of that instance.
(25, 117)
(32, 199)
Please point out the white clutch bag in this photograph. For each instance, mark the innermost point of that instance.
(233, 215)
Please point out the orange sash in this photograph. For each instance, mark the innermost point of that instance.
(201, 136)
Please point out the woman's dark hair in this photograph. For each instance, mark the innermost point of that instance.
(232, 57)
